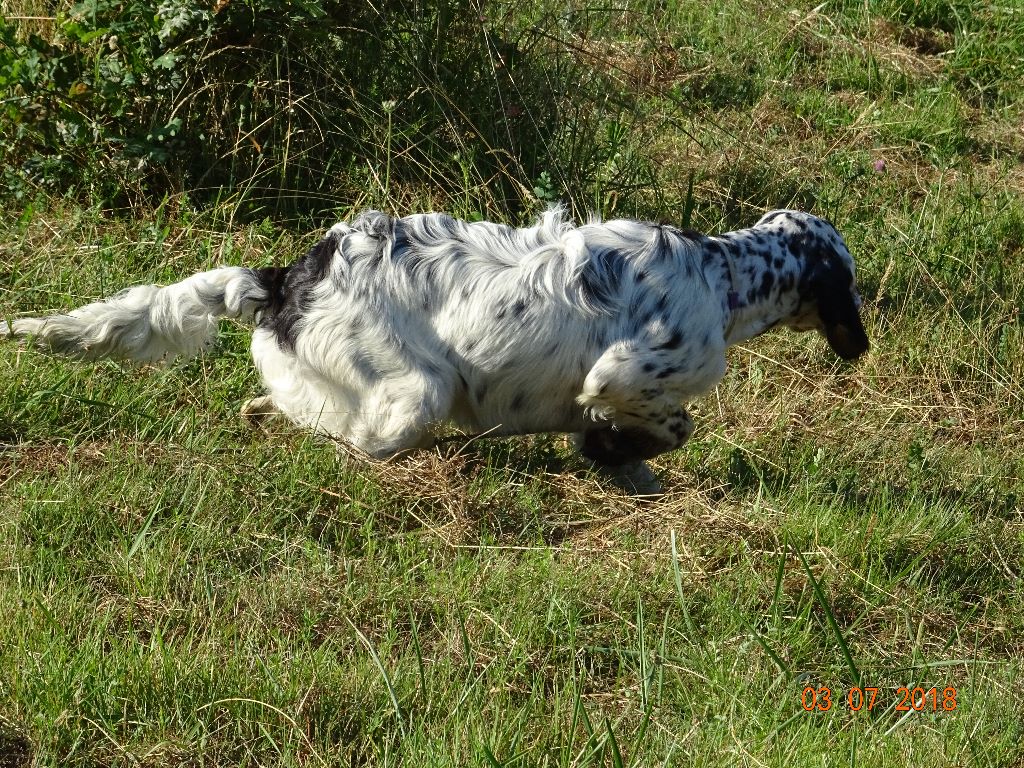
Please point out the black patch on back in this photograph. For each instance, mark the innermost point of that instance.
(291, 289)
(272, 279)
(599, 280)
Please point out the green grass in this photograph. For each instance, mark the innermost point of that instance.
(177, 589)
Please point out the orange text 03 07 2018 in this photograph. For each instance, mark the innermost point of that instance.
(868, 698)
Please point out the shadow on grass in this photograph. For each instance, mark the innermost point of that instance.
(526, 491)
(15, 748)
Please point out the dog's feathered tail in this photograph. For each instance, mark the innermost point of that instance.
(149, 323)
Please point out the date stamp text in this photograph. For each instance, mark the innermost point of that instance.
(823, 699)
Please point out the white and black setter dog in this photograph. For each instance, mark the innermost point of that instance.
(390, 327)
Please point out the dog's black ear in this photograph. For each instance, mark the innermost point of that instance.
(830, 283)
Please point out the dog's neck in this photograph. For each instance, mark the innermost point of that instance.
(757, 281)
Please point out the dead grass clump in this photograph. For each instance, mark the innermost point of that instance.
(913, 51)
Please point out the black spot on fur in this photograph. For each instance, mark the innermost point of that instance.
(666, 372)
(649, 367)
(291, 289)
(673, 342)
(518, 402)
(600, 279)
(400, 246)
(518, 309)
(365, 369)
(767, 283)
(680, 429)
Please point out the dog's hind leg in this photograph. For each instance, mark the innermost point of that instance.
(296, 391)
(399, 414)
(382, 415)
(260, 410)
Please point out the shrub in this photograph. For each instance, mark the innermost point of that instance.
(304, 106)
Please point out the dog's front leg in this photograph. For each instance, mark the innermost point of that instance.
(619, 449)
(630, 439)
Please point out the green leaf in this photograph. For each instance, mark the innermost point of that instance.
(166, 61)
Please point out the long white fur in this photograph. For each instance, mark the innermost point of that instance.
(149, 323)
(426, 319)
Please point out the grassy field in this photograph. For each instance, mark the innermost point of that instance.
(177, 589)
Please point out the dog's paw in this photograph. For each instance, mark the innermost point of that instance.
(636, 478)
(260, 411)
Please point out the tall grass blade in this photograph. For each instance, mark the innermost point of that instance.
(819, 595)
(616, 754)
(384, 676)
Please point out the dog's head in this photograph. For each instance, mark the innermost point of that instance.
(829, 301)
